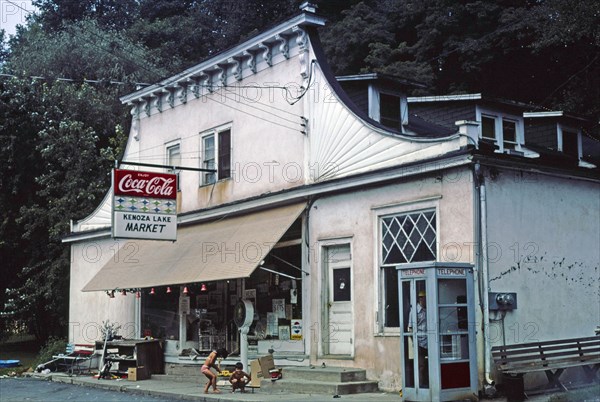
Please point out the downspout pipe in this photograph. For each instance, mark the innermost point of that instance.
(484, 276)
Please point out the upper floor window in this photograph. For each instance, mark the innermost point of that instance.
(174, 155)
(174, 159)
(216, 154)
(505, 130)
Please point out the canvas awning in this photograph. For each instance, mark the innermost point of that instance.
(224, 249)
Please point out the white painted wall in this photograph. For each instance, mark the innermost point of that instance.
(267, 151)
(88, 310)
(544, 235)
(353, 216)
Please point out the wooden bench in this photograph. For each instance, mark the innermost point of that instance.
(551, 357)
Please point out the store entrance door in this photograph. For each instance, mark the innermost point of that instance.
(337, 338)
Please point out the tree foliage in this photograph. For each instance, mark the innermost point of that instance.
(544, 52)
(52, 133)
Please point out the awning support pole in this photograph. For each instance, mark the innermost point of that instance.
(290, 264)
(244, 347)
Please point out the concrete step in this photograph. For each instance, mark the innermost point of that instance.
(325, 374)
(298, 386)
(182, 370)
(303, 380)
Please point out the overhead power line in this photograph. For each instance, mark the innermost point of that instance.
(84, 80)
(207, 96)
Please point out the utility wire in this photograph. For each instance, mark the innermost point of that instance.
(228, 89)
(207, 96)
(154, 72)
(85, 80)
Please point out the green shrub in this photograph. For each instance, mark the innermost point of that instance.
(53, 347)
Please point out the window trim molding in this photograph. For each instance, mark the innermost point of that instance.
(380, 212)
(498, 117)
(215, 133)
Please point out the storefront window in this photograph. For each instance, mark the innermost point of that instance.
(274, 289)
(160, 318)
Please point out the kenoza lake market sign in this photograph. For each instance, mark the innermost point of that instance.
(144, 205)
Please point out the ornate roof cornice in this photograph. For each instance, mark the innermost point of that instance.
(272, 46)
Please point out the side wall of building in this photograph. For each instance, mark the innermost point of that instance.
(543, 234)
(88, 311)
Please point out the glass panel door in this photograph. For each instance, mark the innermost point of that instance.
(414, 334)
(408, 372)
(453, 333)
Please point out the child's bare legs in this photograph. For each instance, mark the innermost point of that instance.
(214, 385)
(212, 380)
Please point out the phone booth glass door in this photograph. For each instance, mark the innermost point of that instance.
(438, 332)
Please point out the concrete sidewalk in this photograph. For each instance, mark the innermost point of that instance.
(177, 390)
(168, 389)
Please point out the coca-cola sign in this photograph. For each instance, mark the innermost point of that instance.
(133, 183)
(144, 205)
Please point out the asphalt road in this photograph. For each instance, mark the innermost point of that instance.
(28, 389)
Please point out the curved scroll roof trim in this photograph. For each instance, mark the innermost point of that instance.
(343, 141)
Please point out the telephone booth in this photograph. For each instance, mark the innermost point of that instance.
(437, 321)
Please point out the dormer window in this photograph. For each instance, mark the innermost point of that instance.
(389, 110)
(568, 141)
(506, 131)
(488, 128)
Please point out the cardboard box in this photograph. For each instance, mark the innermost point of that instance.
(255, 373)
(266, 363)
(137, 373)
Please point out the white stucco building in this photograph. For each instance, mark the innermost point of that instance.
(333, 206)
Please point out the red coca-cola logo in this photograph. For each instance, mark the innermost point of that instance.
(145, 184)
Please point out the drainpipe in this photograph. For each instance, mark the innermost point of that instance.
(488, 382)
